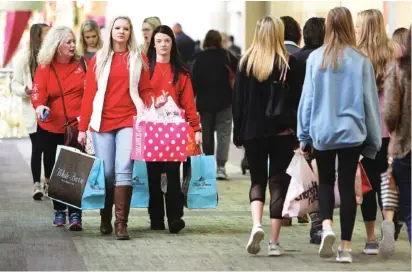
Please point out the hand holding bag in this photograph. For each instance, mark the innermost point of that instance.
(71, 132)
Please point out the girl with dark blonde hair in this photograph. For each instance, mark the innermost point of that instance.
(339, 116)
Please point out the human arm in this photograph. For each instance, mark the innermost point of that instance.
(392, 105)
(305, 109)
(17, 84)
(237, 108)
(90, 89)
(373, 140)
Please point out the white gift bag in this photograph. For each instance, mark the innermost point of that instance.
(302, 195)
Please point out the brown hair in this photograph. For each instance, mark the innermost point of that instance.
(213, 39)
(339, 33)
(36, 31)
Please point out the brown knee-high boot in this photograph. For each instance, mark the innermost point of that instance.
(122, 198)
(106, 214)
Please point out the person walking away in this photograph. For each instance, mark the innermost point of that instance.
(211, 75)
(263, 135)
(339, 116)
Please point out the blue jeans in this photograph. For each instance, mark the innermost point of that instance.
(402, 175)
(115, 149)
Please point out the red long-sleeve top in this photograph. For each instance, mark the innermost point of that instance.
(118, 108)
(181, 92)
(46, 92)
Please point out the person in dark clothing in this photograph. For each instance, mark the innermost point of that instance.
(293, 35)
(233, 47)
(263, 135)
(211, 76)
(313, 36)
(185, 44)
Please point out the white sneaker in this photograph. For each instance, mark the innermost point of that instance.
(344, 255)
(387, 244)
(326, 245)
(37, 192)
(275, 250)
(256, 236)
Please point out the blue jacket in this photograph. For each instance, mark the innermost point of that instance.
(340, 109)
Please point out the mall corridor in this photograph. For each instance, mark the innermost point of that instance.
(213, 239)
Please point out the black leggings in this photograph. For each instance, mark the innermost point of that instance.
(174, 196)
(279, 150)
(36, 156)
(50, 141)
(347, 165)
(374, 169)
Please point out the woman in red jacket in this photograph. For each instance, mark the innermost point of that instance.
(170, 77)
(117, 89)
(58, 53)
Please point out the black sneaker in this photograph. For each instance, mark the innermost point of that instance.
(175, 226)
(316, 237)
(157, 225)
(75, 221)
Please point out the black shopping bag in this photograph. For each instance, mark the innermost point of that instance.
(69, 177)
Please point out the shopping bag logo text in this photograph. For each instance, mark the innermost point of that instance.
(311, 194)
(67, 177)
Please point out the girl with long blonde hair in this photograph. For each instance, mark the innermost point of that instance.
(117, 89)
(338, 116)
(267, 66)
(90, 39)
(373, 41)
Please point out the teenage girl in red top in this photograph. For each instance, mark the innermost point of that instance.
(58, 52)
(169, 76)
(117, 89)
(90, 40)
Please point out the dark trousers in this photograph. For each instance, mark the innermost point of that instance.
(221, 122)
(50, 141)
(174, 196)
(279, 150)
(402, 175)
(374, 169)
(347, 165)
(36, 156)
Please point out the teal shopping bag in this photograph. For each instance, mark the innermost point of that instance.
(94, 194)
(140, 196)
(199, 187)
(77, 179)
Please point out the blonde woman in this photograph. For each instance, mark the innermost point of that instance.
(90, 39)
(58, 65)
(373, 41)
(148, 26)
(339, 116)
(22, 84)
(262, 135)
(400, 36)
(117, 89)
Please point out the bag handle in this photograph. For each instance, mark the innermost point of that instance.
(61, 93)
(284, 71)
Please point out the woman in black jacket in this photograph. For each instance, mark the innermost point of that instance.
(266, 71)
(213, 70)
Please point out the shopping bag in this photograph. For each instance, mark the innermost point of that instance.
(160, 136)
(77, 179)
(199, 186)
(140, 195)
(302, 194)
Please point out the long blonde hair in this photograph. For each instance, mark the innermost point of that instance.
(339, 33)
(267, 45)
(51, 43)
(106, 51)
(375, 43)
(89, 25)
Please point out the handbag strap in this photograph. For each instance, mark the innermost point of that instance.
(62, 94)
(284, 71)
